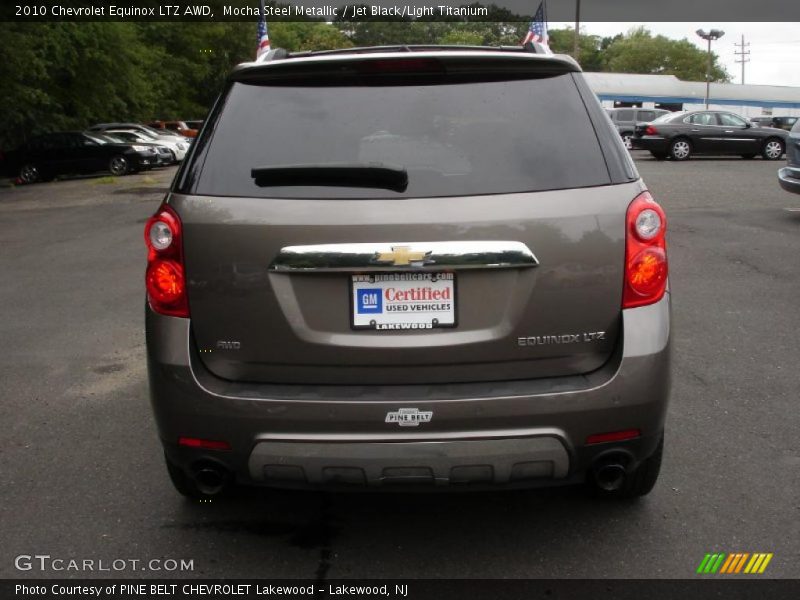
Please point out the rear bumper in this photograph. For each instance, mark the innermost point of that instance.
(651, 143)
(789, 178)
(515, 433)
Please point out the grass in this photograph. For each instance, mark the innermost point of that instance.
(104, 180)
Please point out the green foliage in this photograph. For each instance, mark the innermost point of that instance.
(639, 52)
(61, 76)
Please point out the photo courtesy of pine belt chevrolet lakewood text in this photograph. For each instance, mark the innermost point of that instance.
(407, 268)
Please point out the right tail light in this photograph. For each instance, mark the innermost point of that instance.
(645, 252)
(650, 130)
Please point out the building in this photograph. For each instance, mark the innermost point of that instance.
(669, 92)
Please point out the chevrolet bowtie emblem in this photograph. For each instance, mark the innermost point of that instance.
(402, 256)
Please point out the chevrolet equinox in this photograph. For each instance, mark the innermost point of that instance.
(409, 267)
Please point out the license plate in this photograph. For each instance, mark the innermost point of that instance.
(403, 301)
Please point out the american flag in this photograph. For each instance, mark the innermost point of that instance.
(537, 32)
(262, 34)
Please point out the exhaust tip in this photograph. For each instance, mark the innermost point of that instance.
(210, 479)
(611, 470)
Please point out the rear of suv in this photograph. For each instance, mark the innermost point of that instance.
(409, 268)
(626, 120)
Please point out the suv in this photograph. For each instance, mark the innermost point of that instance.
(448, 273)
(626, 120)
(789, 176)
(785, 123)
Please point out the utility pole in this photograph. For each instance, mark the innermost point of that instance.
(576, 46)
(744, 53)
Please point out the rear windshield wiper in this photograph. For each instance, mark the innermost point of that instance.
(361, 175)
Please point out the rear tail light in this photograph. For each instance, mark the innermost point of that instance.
(646, 267)
(165, 279)
(650, 130)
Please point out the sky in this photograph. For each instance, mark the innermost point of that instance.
(774, 47)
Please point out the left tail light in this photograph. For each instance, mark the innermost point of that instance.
(165, 278)
(646, 266)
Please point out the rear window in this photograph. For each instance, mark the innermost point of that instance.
(453, 139)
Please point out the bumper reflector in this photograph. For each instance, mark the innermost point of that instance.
(613, 436)
(205, 444)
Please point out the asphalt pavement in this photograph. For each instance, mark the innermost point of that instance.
(82, 475)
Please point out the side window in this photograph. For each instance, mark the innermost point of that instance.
(625, 115)
(729, 120)
(703, 119)
(646, 115)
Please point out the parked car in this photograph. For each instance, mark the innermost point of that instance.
(626, 120)
(70, 152)
(179, 127)
(778, 122)
(789, 176)
(164, 155)
(683, 134)
(159, 133)
(341, 309)
(177, 148)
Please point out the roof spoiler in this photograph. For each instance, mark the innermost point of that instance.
(282, 53)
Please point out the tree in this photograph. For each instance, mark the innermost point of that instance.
(562, 41)
(639, 52)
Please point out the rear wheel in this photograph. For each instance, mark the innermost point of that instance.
(627, 140)
(30, 173)
(119, 165)
(773, 149)
(680, 149)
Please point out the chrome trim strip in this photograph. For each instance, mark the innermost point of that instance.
(403, 256)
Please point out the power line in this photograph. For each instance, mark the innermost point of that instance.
(744, 54)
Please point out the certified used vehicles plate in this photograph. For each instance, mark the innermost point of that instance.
(400, 301)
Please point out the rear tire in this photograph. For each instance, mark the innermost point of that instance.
(773, 149)
(627, 140)
(30, 173)
(119, 165)
(680, 149)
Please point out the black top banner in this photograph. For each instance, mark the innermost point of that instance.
(640, 11)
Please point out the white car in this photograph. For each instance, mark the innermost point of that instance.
(177, 147)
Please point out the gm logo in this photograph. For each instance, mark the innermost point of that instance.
(369, 301)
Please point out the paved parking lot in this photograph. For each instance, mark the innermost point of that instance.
(82, 473)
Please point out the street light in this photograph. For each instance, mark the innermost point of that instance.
(712, 35)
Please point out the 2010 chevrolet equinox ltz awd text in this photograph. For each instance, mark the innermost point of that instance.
(409, 267)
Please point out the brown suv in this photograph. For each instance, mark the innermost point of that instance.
(402, 267)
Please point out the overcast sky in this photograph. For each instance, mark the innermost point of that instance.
(774, 47)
